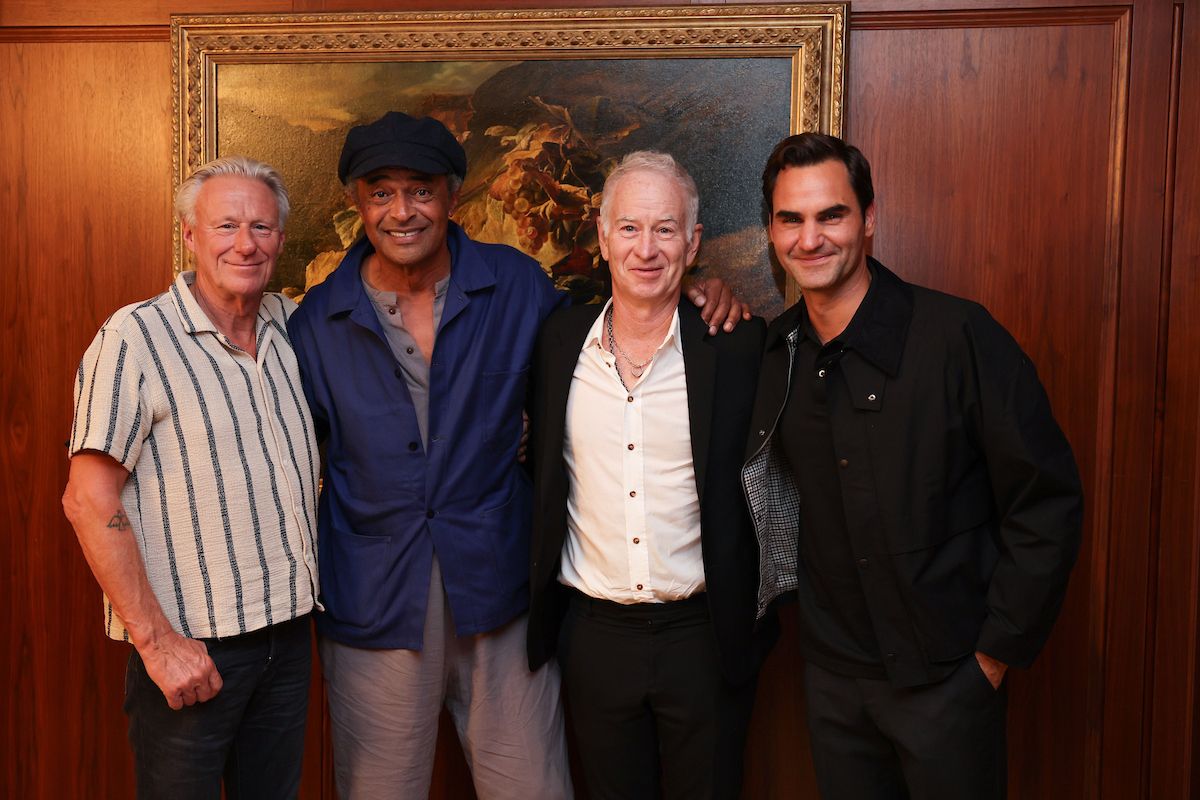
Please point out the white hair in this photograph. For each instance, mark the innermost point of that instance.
(663, 164)
(236, 166)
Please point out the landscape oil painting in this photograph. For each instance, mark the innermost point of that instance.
(540, 138)
(541, 131)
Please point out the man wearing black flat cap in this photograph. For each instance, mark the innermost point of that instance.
(415, 355)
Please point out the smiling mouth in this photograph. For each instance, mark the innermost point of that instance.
(402, 234)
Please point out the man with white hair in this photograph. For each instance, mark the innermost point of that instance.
(644, 567)
(193, 493)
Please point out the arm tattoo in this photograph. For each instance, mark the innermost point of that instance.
(119, 521)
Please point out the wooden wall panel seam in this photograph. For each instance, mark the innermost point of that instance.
(1172, 741)
(879, 20)
(1160, 391)
(86, 33)
(1126, 592)
(987, 18)
(1106, 434)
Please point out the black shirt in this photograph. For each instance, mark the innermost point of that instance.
(842, 639)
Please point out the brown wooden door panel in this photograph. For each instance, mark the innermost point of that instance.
(995, 153)
(84, 140)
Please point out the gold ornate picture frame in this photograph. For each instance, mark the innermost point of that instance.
(544, 101)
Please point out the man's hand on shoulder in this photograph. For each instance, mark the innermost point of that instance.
(993, 670)
(717, 303)
(182, 669)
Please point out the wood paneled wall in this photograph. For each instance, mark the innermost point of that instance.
(1036, 157)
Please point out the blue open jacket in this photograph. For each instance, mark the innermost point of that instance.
(388, 503)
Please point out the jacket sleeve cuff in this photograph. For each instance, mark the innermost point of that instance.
(1014, 650)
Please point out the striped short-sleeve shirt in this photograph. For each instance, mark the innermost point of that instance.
(222, 458)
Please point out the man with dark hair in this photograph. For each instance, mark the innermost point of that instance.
(910, 485)
(415, 356)
(193, 492)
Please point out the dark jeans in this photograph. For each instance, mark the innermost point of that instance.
(251, 734)
(651, 711)
(871, 741)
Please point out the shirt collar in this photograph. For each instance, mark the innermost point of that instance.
(380, 297)
(194, 319)
(878, 330)
(598, 333)
(880, 327)
(856, 331)
(469, 271)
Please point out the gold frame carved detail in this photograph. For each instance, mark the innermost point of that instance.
(812, 36)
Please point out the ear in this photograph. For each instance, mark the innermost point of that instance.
(189, 235)
(602, 239)
(869, 220)
(694, 246)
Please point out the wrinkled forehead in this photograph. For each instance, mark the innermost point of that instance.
(236, 195)
(643, 194)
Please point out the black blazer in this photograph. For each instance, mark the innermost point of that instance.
(722, 373)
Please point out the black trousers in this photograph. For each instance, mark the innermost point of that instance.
(251, 735)
(651, 712)
(944, 741)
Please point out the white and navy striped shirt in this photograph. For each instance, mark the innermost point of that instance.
(222, 457)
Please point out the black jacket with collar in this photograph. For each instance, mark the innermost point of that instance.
(961, 495)
(721, 373)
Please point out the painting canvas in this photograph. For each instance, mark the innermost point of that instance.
(541, 132)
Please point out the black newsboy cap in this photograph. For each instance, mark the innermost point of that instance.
(398, 140)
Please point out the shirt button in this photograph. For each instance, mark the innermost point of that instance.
(639, 587)
(636, 540)
(430, 514)
(862, 562)
(633, 494)
(412, 446)
(391, 309)
(629, 399)
(843, 463)
(408, 350)
(630, 445)
(820, 373)
(871, 398)
(399, 372)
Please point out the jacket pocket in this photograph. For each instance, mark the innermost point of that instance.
(356, 591)
(947, 587)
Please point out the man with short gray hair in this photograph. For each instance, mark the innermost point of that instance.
(644, 563)
(193, 493)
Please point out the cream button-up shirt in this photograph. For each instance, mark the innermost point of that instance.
(633, 515)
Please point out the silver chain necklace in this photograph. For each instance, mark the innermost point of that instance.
(635, 368)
